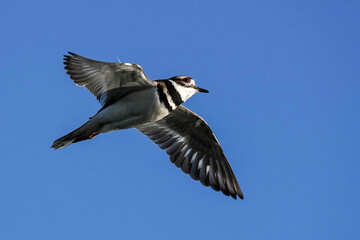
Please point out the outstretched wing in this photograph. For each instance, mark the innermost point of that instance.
(105, 80)
(193, 147)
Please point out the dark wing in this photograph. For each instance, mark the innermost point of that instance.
(104, 79)
(193, 147)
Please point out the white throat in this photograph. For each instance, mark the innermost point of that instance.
(185, 92)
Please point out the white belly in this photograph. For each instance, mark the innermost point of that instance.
(134, 109)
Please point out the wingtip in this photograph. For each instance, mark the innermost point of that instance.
(236, 195)
(239, 192)
(71, 54)
(68, 59)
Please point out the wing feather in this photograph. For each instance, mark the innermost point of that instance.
(193, 147)
(105, 80)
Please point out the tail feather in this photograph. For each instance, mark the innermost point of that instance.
(82, 133)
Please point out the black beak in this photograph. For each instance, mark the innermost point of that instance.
(202, 90)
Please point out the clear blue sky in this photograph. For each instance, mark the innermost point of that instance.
(284, 102)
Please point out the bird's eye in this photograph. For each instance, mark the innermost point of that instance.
(187, 80)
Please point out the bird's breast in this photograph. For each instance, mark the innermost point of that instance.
(142, 106)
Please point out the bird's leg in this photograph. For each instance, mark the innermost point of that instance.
(93, 135)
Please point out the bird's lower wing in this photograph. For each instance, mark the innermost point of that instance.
(193, 147)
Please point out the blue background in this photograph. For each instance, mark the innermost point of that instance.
(284, 103)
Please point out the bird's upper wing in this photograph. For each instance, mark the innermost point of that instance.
(104, 79)
(193, 147)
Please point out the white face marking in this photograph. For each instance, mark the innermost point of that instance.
(185, 92)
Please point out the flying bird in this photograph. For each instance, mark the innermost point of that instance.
(131, 100)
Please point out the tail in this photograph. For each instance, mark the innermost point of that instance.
(86, 131)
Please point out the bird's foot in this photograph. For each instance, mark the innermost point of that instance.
(93, 135)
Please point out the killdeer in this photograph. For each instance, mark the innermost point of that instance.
(131, 100)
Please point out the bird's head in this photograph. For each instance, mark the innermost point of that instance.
(186, 86)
